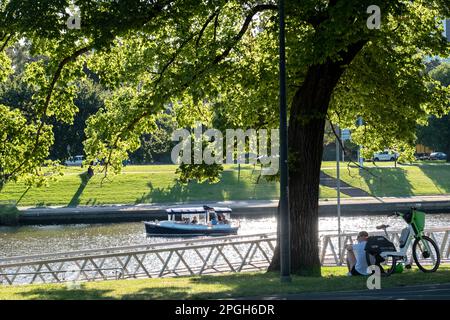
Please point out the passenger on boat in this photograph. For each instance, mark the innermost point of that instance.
(221, 218)
(194, 220)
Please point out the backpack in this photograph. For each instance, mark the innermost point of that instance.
(376, 245)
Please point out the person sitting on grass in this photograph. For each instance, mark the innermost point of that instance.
(356, 256)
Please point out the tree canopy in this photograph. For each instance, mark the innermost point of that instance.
(215, 61)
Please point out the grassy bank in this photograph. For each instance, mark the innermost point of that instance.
(145, 184)
(157, 184)
(403, 181)
(218, 286)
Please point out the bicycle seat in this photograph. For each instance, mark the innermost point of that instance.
(383, 226)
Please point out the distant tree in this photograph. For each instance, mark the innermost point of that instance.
(17, 94)
(442, 73)
(69, 137)
(436, 134)
(430, 65)
(157, 145)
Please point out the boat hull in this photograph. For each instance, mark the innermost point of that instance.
(155, 229)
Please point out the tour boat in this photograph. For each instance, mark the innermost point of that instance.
(193, 221)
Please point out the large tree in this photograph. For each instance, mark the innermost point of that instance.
(216, 61)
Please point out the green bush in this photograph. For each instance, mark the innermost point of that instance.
(9, 214)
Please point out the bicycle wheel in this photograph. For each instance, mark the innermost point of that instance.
(426, 254)
(387, 267)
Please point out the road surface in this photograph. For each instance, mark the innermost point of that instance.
(419, 292)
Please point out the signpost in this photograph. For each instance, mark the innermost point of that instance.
(345, 135)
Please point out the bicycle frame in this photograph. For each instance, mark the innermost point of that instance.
(403, 253)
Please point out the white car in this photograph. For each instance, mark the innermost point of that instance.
(75, 161)
(385, 156)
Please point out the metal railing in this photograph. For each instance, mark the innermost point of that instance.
(330, 254)
(176, 258)
(188, 257)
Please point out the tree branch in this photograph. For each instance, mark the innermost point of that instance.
(55, 78)
(217, 59)
(172, 59)
(205, 25)
(5, 43)
(349, 155)
(256, 9)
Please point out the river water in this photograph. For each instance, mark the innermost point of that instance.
(25, 240)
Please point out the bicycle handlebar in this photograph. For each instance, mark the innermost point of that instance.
(395, 213)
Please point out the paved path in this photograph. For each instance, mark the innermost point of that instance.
(331, 182)
(122, 213)
(420, 292)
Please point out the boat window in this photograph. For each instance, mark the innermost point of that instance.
(212, 215)
(190, 217)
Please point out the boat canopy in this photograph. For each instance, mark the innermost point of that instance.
(196, 210)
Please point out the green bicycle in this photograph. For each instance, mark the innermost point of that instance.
(425, 252)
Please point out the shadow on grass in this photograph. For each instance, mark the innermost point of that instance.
(235, 285)
(248, 285)
(75, 201)
(327, 180)
(387, 182)
(64, 293)
(440, 175)
(165, 293)
(229, 187)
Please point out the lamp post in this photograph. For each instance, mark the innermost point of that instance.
(284, 229)
(360, 158)
(338, 189)
(447, 29)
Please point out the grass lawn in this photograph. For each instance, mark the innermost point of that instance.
(157, 184)
(146, 184)
(219, 286)
(411, 180)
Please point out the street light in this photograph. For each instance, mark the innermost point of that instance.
(338, 187)
(447, 29)
(284, 229)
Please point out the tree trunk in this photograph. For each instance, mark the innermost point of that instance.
(306, 132)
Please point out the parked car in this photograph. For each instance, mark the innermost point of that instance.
(422, 156)
(385, 156)
(75, 161)
(438, 156)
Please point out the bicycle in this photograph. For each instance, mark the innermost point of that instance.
(425, 252)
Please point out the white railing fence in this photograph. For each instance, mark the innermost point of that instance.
(177, 258)
(331, 255)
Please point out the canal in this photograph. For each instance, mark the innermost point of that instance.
(25, 240)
